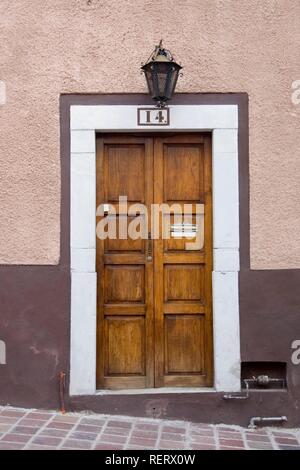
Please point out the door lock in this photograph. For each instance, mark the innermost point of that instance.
(149, 247)
(105, 208)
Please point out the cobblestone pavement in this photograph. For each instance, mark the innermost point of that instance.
(39, 429)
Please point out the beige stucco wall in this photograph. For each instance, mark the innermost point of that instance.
(80, 46)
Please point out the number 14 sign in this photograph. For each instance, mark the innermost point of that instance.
(153, 116)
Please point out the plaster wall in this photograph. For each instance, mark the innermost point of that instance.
(96, 46)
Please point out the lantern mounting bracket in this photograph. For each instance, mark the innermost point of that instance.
(159, 50)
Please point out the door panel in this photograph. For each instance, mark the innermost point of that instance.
(183, 164)
(125, 167)
(154, 314)
(182, 280)
(121, 359)
(124, 283)
(125, 280)
(189, 357)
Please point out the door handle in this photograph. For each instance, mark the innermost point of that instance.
(105, 208)
(149, 247)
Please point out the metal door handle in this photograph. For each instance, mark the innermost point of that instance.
(105, 208)
(149, 247)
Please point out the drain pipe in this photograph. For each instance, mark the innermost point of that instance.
(62, 388)
(260, 420)
(241, 396)
(262, 381)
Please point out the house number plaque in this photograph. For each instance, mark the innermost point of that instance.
(153, 116)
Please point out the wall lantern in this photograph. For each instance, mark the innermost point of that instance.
(161, 73)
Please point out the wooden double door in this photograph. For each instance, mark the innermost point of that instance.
(154, 313)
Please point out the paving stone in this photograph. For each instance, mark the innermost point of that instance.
(59, 425)
(93, 421)
(47, 440)
(13, 413)
(257, 437)
(38, 447)
(10, 446)
(117, 431)
(202, 432)
(5, 427)
(32, 422)
(285, 447)
(259, 445)
(146, 426)
(142, 441)
(231, 448)
(105, 437)
(136, 447)
(88, 428)
(8, 420)
(25, 430)
(173, 429)
(54, 432)
(260, 432)
(227, 429)
(77, 444)
(147, 434)
(202, 426)
(169, 436)
(203, 447)
(283, 434)
(287, 440)
(170, 445)
(44, 415)
(230, 435)
(85, 436)
(232, 442)
(18, 438)
(119, 424)
(66, 419)
(203, 440)
(105, 446)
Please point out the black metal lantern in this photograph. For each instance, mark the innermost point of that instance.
(161, 73)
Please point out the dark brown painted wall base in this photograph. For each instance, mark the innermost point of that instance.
(35, 325)
(35, 315)
(204, 407)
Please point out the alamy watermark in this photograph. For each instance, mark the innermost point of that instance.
(2, 352)
(296, 93)
(295, 358)
(2, 92)
(124, 220)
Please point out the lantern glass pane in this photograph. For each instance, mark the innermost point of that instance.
(161, 79)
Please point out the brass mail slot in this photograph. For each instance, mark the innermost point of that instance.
(185, 230)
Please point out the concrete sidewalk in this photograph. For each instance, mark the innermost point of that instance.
(41, 430)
